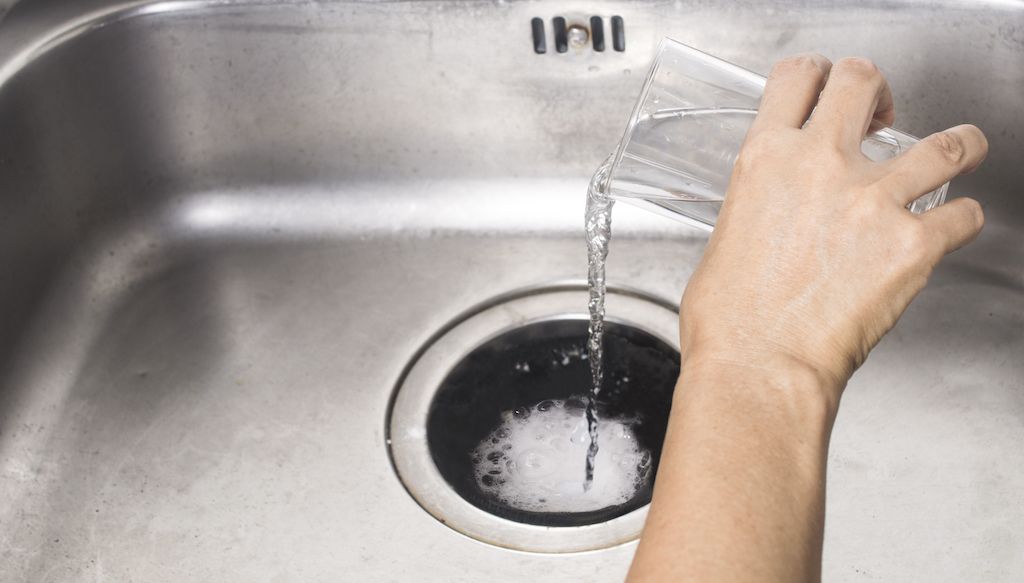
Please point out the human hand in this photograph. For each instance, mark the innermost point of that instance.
(815, 256)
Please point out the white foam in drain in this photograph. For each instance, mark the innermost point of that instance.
(535, 460)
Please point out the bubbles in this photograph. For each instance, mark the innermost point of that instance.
(565, 356)
(535, 460)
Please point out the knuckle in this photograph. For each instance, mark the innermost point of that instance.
(746, 162)
(948, 145)
(867, 209)
(759, 145)
(803, 64)
(835, 155)
(828, 158)
(876, 191)
(916, 234)
(761, 149)
(861, 67)
(913, 241)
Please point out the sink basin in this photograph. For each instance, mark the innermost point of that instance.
(227, 227)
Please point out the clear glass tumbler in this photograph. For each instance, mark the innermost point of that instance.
(686, 130)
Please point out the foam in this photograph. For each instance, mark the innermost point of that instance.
(535, 460)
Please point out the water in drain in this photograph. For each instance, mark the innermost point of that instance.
(507, 429)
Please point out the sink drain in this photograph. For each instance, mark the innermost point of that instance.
(506, 427)
(487, 430)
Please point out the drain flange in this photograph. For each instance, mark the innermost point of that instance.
(519, 351)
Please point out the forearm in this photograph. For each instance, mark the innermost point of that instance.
(813, 259)
(741, 486)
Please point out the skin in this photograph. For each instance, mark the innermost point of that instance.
(813, 260)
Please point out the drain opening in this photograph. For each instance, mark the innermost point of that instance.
(506, 427)
(525, 349)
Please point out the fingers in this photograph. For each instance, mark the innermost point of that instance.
(855, 99)
(791, 91)
(933, 162)
(955, 223)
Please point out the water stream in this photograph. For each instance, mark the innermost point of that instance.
(599, 230)
(693, 194)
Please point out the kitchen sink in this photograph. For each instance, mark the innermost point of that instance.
(227, 228)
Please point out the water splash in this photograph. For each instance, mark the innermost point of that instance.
(533, 459)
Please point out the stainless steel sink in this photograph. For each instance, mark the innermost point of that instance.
(226, 227)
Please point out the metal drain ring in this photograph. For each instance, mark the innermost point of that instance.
(407, 423)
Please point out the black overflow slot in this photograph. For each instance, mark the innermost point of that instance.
(540, 46)
(618, 34)
(561, 38)
(597, 32)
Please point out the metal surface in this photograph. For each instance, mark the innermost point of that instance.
(225, 228)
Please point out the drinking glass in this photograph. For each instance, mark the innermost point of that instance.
(685, 133)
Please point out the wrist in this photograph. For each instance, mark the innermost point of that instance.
(770, 378)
